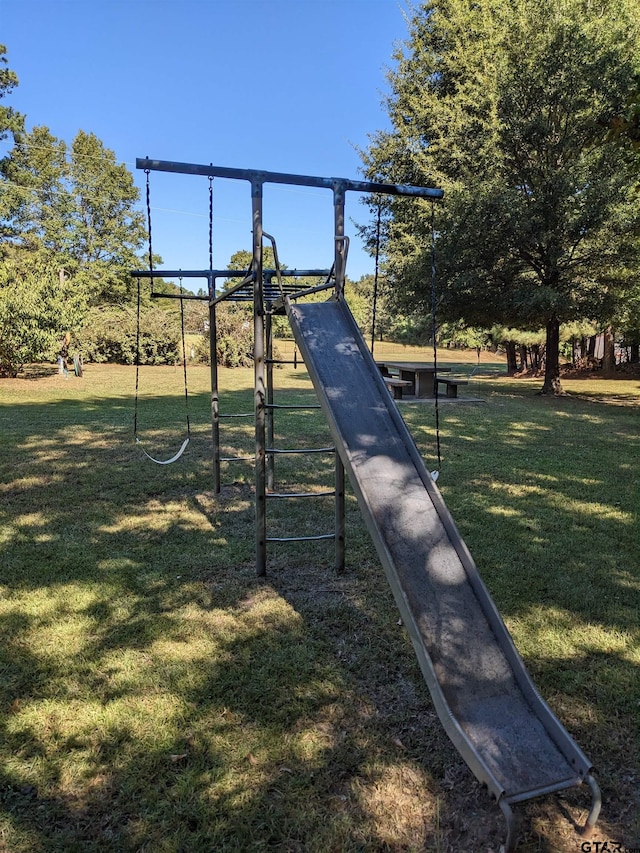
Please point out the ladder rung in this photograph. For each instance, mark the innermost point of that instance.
(236, 459)
(301, 494)
(284, 406)
(239, 415)
(274, 451)
(302, 538)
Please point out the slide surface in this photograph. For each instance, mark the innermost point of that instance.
(484, 696)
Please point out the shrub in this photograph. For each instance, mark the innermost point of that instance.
(35, 309)
(109, 335)
(234, 337)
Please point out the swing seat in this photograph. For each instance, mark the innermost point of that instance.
(164, 461)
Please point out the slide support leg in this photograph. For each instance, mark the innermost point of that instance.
(596, 804)
(510, 843)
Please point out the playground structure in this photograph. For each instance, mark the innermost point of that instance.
(482, 692)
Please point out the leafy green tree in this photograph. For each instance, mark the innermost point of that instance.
(501, 103)
(36, 310)
(77, 203)
(625, 131)
(107, 230)
(359, 296)
(242, 259)
(625, 127)
(39, 200)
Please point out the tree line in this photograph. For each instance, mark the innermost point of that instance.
(69, 233)
(526, 114)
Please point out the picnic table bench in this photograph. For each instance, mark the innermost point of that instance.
(451, 384)
(396, 386)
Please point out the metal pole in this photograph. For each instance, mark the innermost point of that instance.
(259, 386)
(269, 413)
(375, 280)
(339, 515)
(340, 272)
(338, 207)
(215, 397)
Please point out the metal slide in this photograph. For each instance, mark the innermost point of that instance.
(482, 692)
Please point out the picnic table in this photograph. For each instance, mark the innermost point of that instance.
(421, 375)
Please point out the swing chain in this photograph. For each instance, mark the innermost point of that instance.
(137, 359)
(210, 222)
(210, 280)
(147, 172)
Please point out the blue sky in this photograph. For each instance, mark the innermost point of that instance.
(282, 85)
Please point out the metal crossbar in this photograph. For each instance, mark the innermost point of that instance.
(262, 177)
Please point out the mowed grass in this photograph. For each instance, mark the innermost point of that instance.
(156, 696)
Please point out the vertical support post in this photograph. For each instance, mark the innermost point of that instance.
(339, 513)
(259, 374)
(339, 262)
(340, 272)
(215, 399)
(375, 278)
(269, 413)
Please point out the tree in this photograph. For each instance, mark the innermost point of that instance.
(36, 309)
(11, 121)
(625, 131)
(77, 204)
(107, 230)
(39, 201)
(242, 260)
(625, 127)
(500, 102)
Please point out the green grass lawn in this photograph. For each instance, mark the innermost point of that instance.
(156, 696)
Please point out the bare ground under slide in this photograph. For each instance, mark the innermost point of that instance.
(481, 689)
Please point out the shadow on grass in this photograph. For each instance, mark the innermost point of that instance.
(157, 696)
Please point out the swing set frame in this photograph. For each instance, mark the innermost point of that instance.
(255, 279)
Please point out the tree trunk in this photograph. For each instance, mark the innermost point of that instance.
(634, 356)
(524, 361)
(552, 383)
(609, 355)
(535, 356)
(582, 349)
(512, 364)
